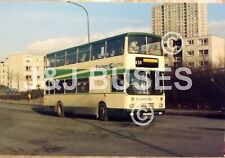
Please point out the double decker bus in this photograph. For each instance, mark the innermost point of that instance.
(120, 56)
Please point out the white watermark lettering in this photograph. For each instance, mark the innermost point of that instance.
(168, 46)
(98, 82)
(183, 78)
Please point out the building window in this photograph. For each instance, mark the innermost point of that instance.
(203, 41)
(203, 63)
(203, 52)
(206, 42)
(29, 78)
(190, 42)
(28, 60)
(200, 42)
(206, 63)
(190, 64)
(28, 68)
(190, 53)
(177, 59)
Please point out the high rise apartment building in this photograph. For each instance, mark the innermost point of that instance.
(187, 19)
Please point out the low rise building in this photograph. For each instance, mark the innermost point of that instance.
(25, 71)
(4, 73)
(203, 52)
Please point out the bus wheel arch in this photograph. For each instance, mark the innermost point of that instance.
(102, 111)
(59, 109)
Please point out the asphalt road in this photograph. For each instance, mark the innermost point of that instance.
(26, 130)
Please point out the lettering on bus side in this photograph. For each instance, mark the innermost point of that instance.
(109, 66)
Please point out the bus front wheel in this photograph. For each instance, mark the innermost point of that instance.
(59, 109)
(102, 112)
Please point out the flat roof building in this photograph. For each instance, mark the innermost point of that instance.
(187, 19)
(203, 52)
(4, 81)
(20, 72)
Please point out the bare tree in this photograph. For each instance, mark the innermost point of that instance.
(219, 64)
(18, 78)
(10, 78)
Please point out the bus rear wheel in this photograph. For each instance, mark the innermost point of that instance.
(102, 112)
(59, 109)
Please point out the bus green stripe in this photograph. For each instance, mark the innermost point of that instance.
(61, 72)
(88, 74)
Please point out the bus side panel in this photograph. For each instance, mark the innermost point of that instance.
(87, 103)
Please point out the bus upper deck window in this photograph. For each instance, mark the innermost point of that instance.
(153, 46)
(84, 54)
(98, 51)
(133, 48)
(60, 59)
(137, 44)
(71, 56)
(83, 57)
(115, 47)
(51, 60)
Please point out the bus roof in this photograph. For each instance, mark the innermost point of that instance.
(109, 38)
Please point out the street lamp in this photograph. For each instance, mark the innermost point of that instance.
(88, 28)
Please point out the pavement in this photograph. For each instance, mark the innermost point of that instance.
(32, 102)
(212, 113)
(35, 102)
(34, 130)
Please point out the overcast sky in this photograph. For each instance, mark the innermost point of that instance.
(40, 27)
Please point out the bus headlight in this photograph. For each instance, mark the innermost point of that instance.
(131, 105)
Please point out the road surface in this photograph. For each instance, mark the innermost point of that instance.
(31, 130)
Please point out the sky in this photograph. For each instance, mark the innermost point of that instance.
(43, 26)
